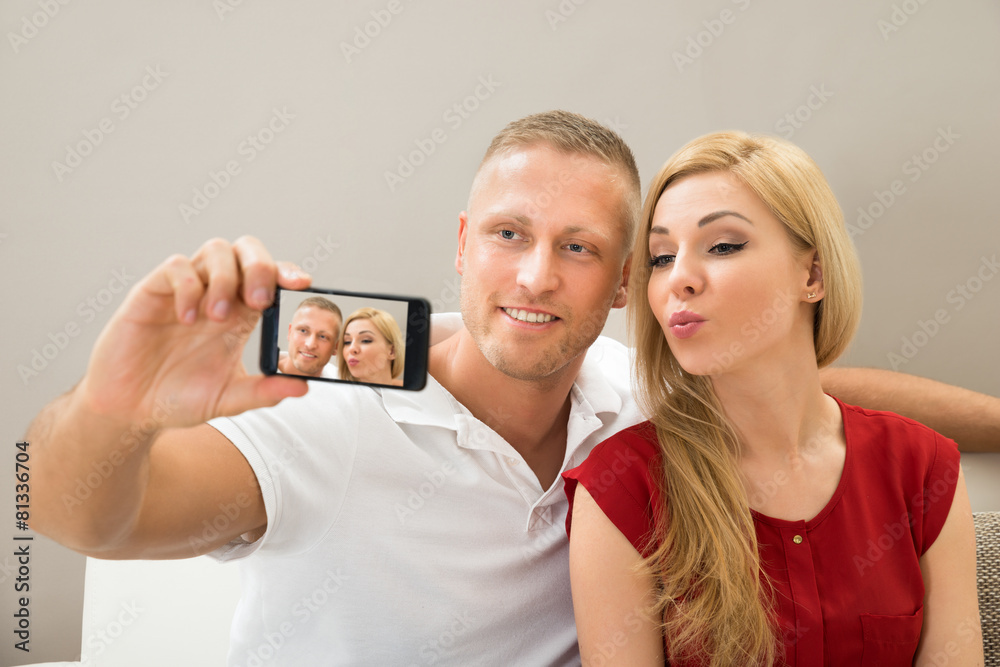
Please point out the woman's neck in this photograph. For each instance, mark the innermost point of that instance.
(793, 447)
(778, 411)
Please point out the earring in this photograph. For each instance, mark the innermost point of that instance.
(811, 295)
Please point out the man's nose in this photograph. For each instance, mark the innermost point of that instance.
(537, 270)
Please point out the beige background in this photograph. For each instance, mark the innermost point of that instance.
(867, 88)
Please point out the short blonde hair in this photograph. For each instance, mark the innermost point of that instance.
(574, 134)
(386, 324)
(323, 304)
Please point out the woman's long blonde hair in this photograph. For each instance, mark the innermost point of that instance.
(714, 600)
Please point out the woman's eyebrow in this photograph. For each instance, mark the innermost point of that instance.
(711, 217)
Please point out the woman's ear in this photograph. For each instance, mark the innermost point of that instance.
(815, 289)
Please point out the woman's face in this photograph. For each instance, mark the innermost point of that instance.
(367, 352)
(727, 287)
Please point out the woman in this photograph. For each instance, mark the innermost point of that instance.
(755, 520)
(372, 348)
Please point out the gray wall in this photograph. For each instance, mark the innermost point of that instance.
(896, 100)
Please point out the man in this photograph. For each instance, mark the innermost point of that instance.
(313, 336)
(377, 527)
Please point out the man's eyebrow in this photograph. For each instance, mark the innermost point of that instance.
(711, 217)
(527, 222)
(523, 219)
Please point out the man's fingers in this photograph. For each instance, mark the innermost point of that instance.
(260, 391)
(220, 274)
(217, 266)
(290, 276)
(180, 277)
(258, 271)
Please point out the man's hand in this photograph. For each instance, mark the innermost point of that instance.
(170, 357)
(178, 339)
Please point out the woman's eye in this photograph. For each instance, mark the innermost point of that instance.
(660, 261)
(728, 248)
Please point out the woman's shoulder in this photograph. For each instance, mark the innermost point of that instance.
(889, 443)
(899, 460)
(888, 427)
(640, 439)
(628, 454)
(621, 475)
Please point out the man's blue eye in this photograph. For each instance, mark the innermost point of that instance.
(576, 247)
(507, 234)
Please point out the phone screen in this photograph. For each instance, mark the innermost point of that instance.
(337, 336)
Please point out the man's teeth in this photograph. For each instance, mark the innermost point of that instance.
(525, 316)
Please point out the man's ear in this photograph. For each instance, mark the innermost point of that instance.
(815, 286)
(621, 296)
(463, 228)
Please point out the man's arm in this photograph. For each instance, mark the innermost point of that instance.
(178, 493)
(123, 466)
(969, 418)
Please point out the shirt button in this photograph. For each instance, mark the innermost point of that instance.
(797, 539)
(511, 461)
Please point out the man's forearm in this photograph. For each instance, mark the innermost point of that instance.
(88, 473)
(969, 418)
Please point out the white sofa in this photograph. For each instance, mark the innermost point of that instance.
(156, 613)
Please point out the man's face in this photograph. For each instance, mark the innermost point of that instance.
(312, 339)
(541, 253)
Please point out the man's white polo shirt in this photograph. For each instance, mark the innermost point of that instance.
(404, 531)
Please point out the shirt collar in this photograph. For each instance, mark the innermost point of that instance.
(592, 394)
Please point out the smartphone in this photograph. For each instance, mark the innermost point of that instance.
(351, 337)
